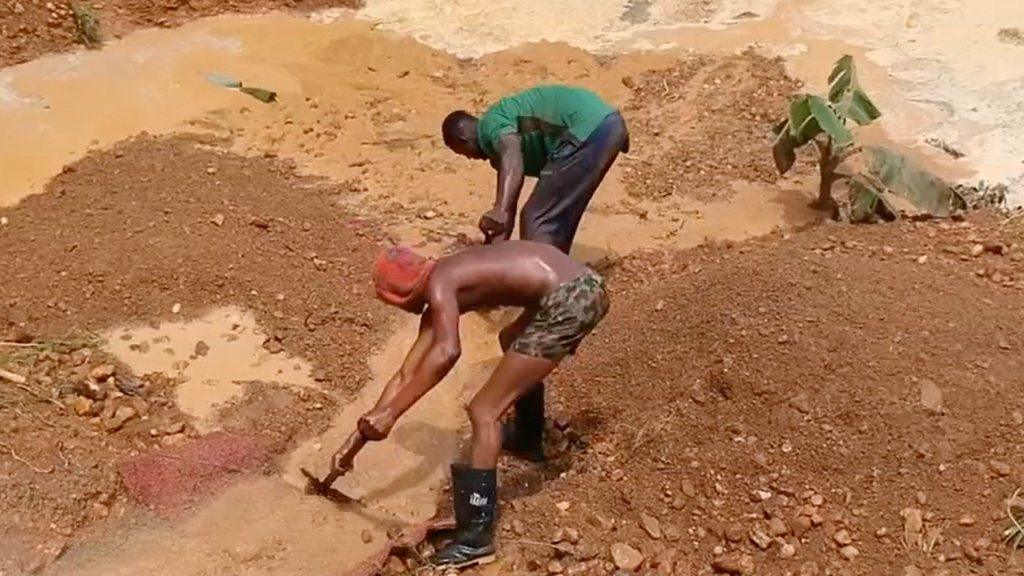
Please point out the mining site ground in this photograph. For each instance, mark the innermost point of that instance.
(186, 315)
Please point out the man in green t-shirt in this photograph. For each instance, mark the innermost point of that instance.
(567, 138)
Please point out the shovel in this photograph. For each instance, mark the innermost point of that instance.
(325, 487)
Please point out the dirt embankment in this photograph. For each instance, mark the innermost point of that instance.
(842, 401)
(32, 28)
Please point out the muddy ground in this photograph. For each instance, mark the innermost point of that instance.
(32, 28)
(837, 400)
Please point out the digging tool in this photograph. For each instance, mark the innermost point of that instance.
(324, 487)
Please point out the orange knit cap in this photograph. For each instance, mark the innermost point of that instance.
(400, 277)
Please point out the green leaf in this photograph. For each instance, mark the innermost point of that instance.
(802, 125)
(847, 97)
(842, 77)
(784, 150)
(908, 179)
(864, 201)
(829, 122)
(859, 108)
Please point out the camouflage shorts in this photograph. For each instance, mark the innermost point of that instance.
(564, 318)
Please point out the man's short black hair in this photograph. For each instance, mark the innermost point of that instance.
(452, 127)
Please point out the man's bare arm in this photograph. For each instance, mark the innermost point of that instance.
(412, 360)
(442, 353)
(500, 221)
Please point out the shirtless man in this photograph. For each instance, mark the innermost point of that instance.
(563, 301)
(567, 137)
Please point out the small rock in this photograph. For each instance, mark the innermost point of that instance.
(809, 569)
(211, 170)
(176, 309)
(173, 440)
(91, 390)
(259, 223)
(912, 571)
(395, 565)
(4, 221)
(102, 372)
(733, 563)
(843, 538)
(688, 488)
(366, 536)
(931, 396)
(626, 557)
(734, 533)
(202, 348)
(801, 524)
(817, 500)
(672, 534)
(787, 550)
(218, 219)
(651, 525)
(801, 403)
(125, 413)
(849, 552)
(555, 567)
(777, 527)
(966, 520)
(273, 346)
(922, 259)
(174, 428)
(572, 535)
(563, 506)
(429, 215)
(888, 250)
(82, 406)
(616, 475)
(518, 528)
(760, 539)
(1001, 469)
(913, 520)
(977, 250)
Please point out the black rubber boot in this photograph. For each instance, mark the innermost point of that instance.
(475, 496)
(524, 437)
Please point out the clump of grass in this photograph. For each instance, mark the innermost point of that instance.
(17, 353)
(1014, 533)
(87, 25)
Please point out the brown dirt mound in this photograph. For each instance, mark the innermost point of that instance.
(32, 28)
(168, 479)
(703, 124)
(787, 403)
(124, 235)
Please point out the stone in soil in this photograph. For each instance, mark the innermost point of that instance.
(734, 564)
(849, 552)
(777, 527)
(842, 537)
(651, 526)
(931, 397)
(625, 556)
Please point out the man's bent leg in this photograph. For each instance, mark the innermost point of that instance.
(474, 487)
(516, 375)
(524, 436)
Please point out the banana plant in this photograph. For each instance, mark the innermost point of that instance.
(825, 122)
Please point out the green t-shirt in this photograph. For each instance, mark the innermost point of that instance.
(544, 117)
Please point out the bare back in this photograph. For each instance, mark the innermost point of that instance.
(513, 273)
